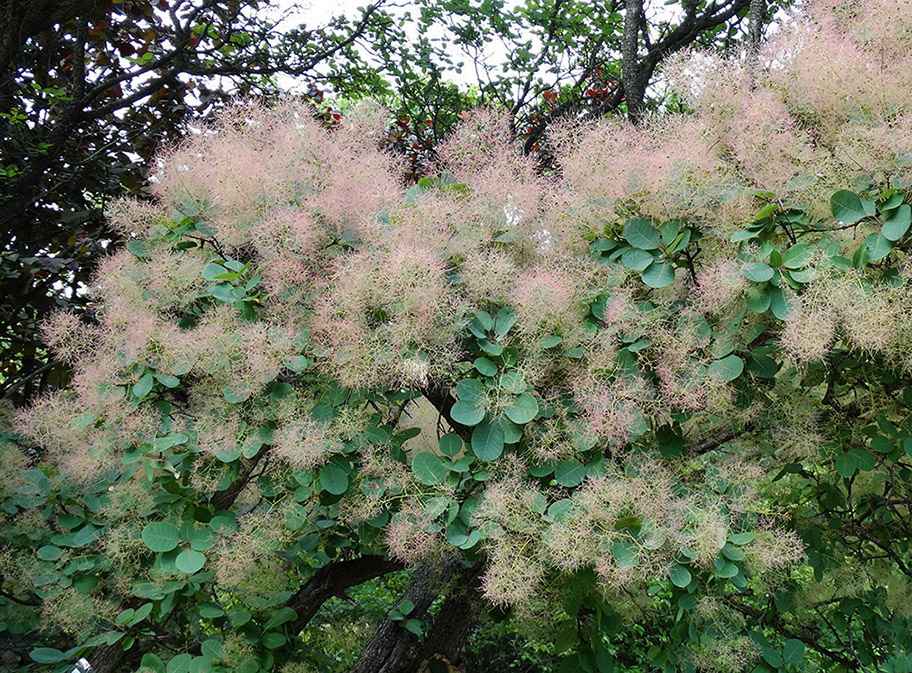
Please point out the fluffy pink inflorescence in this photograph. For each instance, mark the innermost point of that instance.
(718, 285)
(613, 411)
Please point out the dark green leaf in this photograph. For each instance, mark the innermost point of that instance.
(847, 207)
(522, 410)
(487, 441)
(160, 536)
(680, 576)
(793, 651)
(333, 479)
(429, 469)
(660, 273)
(641, 234)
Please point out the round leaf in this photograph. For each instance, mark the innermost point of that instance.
(470, 390)
(466, 413)
(450, 444)
(485, 367)
(757, 272)
(569, 472)
(680, 576)
(727, 369)
(846, 206)
(487, 441)
(428, 468)
(334, 479)
(660, 273)
(641, 234)
(523, 409)
(189, 561)
(159, 536)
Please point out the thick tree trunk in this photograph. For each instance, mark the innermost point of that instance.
(391, 642)
(453, 625)
(633, 76)
(756, 21)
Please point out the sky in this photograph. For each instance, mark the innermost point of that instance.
(319, 12)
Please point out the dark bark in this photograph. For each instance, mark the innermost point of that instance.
(333, 580)
(636, 71)
(391, 642)
(633, 76)
(757, 19)
(222, 500)
(443, 402)
(454, 624)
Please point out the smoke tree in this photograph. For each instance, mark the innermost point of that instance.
(666, 385)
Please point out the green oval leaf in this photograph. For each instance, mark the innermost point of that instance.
(189, 561)
(660, 273)
(470, 390)
(333, 479)
(797, 256)
(142, 387)
(878, 246)
(450, 444)
(758, 272)
(47, 655)
(569, 472)
(625, 553)
(160, 536)
(727, 369)
(523, 409)
(680, 576)
(467, 413)
(641, 234)
(793, 651)
(637, 259)
(487, 441)
(212, 271)
(485, 367)
(771, 656)
(847, 207)
(429, 469)
(742, 539)
(896, 226)
(550, 341)
(49, 552)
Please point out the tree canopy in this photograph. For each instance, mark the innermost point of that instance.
(89, 90)
(663, 389)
